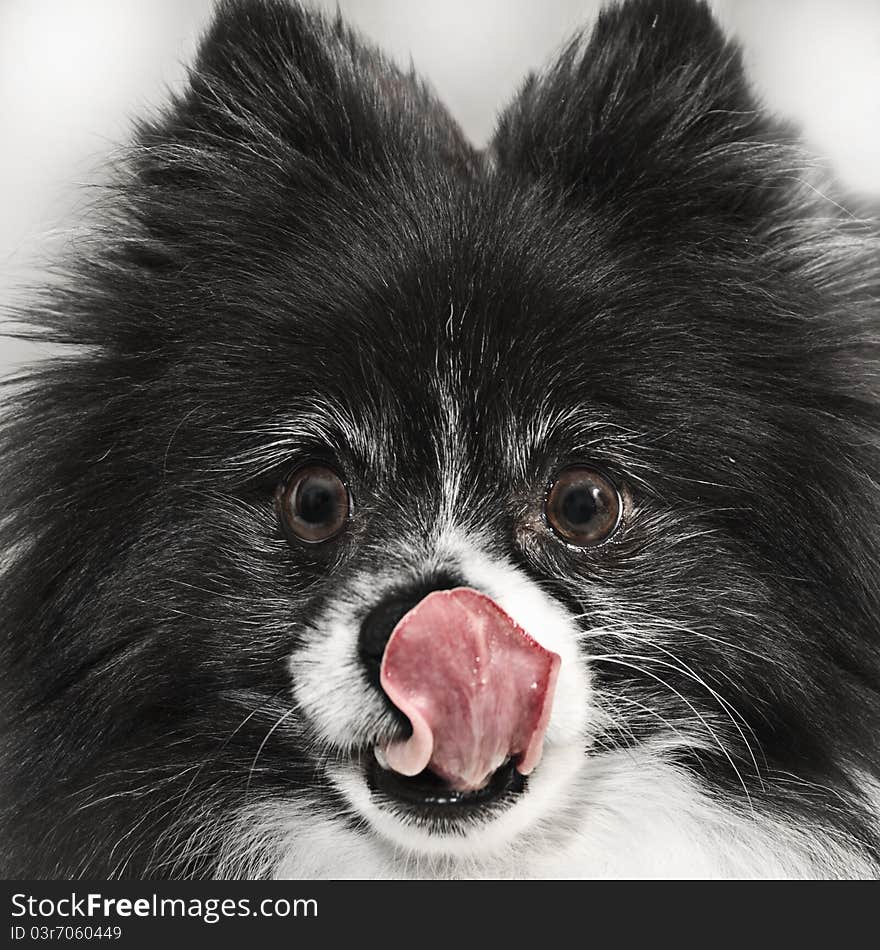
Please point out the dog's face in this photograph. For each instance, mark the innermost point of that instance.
(361, 410)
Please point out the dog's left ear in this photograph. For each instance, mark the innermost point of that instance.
(652, 113)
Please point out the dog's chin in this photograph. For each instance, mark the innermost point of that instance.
(422, 815)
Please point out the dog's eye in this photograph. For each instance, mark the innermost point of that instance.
(583, 506)
(314, 503)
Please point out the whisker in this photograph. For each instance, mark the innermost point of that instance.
(680, 666)
(615, 658)
(227, 740)
(657, 714)
(268, 736)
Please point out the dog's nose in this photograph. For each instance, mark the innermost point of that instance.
(378, 625)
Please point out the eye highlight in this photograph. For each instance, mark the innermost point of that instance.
(313, 503)
(583, 506)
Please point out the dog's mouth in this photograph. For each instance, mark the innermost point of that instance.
(431, 796)
(476, 688)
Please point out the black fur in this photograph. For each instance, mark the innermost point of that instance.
(642, 249)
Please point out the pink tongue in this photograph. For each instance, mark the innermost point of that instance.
(475, 686)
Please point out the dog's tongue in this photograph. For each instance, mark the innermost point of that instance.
(475, 686)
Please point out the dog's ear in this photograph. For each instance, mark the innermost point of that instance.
(653, 112)
(284, 96)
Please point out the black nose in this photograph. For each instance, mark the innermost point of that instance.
(379, 623)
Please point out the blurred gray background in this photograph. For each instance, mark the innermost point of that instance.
(73, 73)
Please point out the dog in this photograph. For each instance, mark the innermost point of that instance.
(395, 509)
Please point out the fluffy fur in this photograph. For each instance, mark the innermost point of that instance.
(303, 256)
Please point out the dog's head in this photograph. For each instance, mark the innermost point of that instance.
(411, 508)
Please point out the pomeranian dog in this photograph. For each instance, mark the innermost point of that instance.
(396, 509)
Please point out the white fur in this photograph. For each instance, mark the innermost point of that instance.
(626, 815)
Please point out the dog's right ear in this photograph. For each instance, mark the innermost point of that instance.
(278, 91)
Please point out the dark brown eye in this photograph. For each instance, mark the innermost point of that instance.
(313, 503)
(583, 506)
